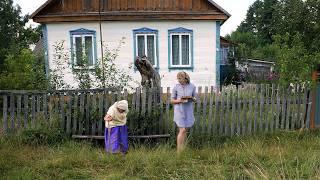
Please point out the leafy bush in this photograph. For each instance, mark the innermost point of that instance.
(44, 134)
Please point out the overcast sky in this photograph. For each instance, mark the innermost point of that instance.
(237, 9)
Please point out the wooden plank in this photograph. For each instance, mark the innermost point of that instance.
(138, 100)
(226, 115)
(255, 109)
(76, 112)
(26, 110)
(143, 102)
(267, 107)
(245, 119)
(168, 99)
(204, 122)
(294, 108)
(305, 110)
(82, 113)
(38, 107)
(149, 105)
(62, 111)
(261, 108)
(299, 101)
(210, 118)
(101, 115)
(5, 113)
(284, 107)
(19, 112)
(272, 108)
(69, 112)
(87, 117)
(221, 113)
(12, 112)
(33, 111)
(239, 110)
(93, 114)
(233, 114)
(216, 112)
(308, 117)
(288, 109)
(45, 107)
(278, 107)
(50, 107)
(250, 117)
(198, 113)
(161, 119)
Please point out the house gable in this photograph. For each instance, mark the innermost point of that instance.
(88, 10)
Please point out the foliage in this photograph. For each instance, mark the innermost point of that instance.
(60, 67)
(285, 155)
(294, 63)
(14, 36)
(296, 22)
(23, 71)
(44, 133)
(108, 74)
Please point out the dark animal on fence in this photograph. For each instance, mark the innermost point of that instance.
(150, 78)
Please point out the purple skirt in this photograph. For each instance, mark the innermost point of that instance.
(116, 140)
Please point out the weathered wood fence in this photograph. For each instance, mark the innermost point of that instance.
(249, 110)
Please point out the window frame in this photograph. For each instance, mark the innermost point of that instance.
(180, 32)
(147, 32)
(83, 33)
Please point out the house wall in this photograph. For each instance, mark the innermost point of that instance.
(204, 46)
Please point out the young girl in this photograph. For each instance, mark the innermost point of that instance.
(116, 131)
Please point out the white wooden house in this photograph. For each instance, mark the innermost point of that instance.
(177, 35)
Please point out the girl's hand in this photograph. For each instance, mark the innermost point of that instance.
(108, 118)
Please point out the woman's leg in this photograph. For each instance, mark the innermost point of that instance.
(181, 138)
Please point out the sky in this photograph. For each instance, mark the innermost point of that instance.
(237, 9)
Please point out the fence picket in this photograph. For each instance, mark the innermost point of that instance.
(245, 111)
(210, 118)
(19, 111)
(26, 110)
(69, 112)
(5, 113)
(221, 113)
(33, 111)
(101, 115)
(82, 114)
(288, 109)
(204, 122)
(76, 113)
(233, 115)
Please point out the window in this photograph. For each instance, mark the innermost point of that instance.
(145, 43)
(180, 48)
(83, 47)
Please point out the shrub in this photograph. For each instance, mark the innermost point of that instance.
(44, 134)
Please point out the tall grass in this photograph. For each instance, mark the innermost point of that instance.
(284, 155)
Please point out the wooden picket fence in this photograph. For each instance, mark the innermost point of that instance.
(244, 111)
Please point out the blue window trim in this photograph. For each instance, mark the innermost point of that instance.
(83, 31)
(145, 30)
(46, 52)
(177, 31)
(218, 57)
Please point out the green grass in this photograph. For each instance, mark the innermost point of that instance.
(285, 155)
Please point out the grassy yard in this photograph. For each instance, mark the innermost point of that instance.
(285, 155)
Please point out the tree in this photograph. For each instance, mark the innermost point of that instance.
(14, 36)
(24, 71)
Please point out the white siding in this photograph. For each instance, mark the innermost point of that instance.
(204, 46)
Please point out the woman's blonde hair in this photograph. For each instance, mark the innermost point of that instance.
(184, 76)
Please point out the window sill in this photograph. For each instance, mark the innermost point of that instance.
(181, 68)
(78, 68)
